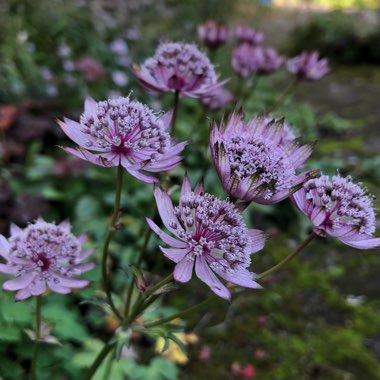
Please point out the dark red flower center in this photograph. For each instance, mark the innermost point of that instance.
(42, 261)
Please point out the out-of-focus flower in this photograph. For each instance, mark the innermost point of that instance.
(246, 34)
(210, 235)
(41, 256)
(119, 78)
(119, 47)
(64, 51)
(251, 163)
(308, 66)
(271, 61)
(22, 37)
(124, 132)
(91, 69)
(68, 65)
(213, 34)
(339, 208)
(262, 320)
(8, 115)
(52, 90)
(204, 354)
(245, 372)
(46, 74)
(260, 354)
(247, 59)
(173, 352)
(218, 99)
(178, 67)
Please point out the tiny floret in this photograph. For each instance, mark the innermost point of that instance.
(178, 67)
(124, 132)
(43, 256)
(340, 208)
(210, 235)
(257, 161)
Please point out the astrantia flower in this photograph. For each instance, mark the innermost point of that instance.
(251, 162)
(247, 60)
(339, 208)
(218, 99)
(213, 34)
(41, 256)
(124, 132)
(178, 67)
(246, 34)
(210, 235)
(308, 66)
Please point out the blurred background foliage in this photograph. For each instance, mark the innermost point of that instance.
(319, 318)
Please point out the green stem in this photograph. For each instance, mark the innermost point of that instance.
(180, 314)
(110, 233)
(107, 348)
(175, 111)
(140, 303)
(107, 371)
(291, 87)
(33, 367)
(159, 285)
(278, 266)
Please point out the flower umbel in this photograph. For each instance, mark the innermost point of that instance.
(213, 34)
(339, 208)
(254, 162)
(124, 132)
(210, 235)
(41, 256)
(218, 99)
(308, 66)
(178, 67)
(247, 60)
(246, 34)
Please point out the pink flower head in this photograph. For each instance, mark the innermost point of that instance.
(210, 235)
(339, 208)
(308, 66)
(178, 67)
(213, 34)
(247, 59)
(271, 61)
(124, 132)
(251, 162)
(246, 34)
(41, 256)
(218, 99)
(91, 69)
